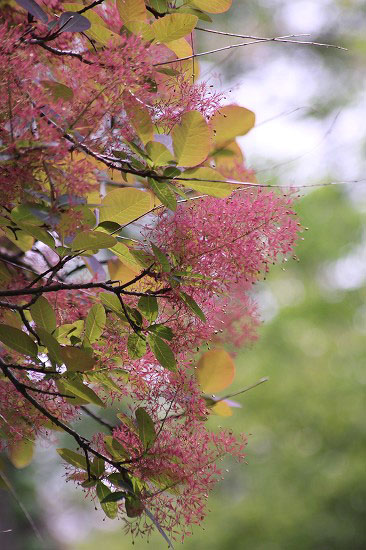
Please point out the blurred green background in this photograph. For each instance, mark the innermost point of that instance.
(304, 484)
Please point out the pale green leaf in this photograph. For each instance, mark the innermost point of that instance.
(191, 139)
(124, 205)
(43, 314)
(212, 183)
(158, 153)
(92, 240)
(164, 193)
(18, 340)
(146, 428)
(162, 352)
(173, 26)
(95, 322)
(136, 346)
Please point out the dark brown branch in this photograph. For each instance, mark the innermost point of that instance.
(97, 418)
(80, 440)
(91, 6)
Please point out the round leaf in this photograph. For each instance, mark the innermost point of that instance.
(124, 205)
(213, 183)
(18, 340)
(212, 6)
(215, 370)
(92, 240)
(21, 453)
(95, 322)
(191, 139)
(173, 26)
(231, 121)
(43, 314)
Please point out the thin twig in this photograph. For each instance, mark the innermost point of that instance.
(242, 44)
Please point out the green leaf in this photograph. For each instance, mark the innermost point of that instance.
(49, 342)
(136, 346)
(167, 72)
(64, 332)
(146, 428)
(92, 240)
(134, 506)
(18, 340)
(38, 233)
(24, 214)
(164, 193)
(97, 467)
(201, 15)
(161, 6)
(102, 378)
(188, 300)
(148, 305)
(173, 26)
(127, 256)
(124, 205)
(140, 119)
(162, 352)
(71, 457)
(75, 386)
(58, 90)
(132, 10)
(158, 153)
(77, 359)
(212, 6)
(191, 139)
(21, 453)
(162, 258)
(213, 183)
(125, 419)
(43, 314)
(109, 508)
(95, 323)
(115, 449)
(162, 331)
(114, 497)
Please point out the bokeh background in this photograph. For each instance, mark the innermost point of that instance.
(304, 484)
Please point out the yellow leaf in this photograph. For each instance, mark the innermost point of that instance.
(191, 139)
(174, 26)
(141, 29)
(23, 240)
(124, 205)
(231, 121)
(21, 453)
(180, 47)
(121, 272)
(227, 155)
(123, 252)
(215, 370)
(140, 119)
(222, 409)
(158, 153)
(212, 6)
(132, 10)
(210, 187)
